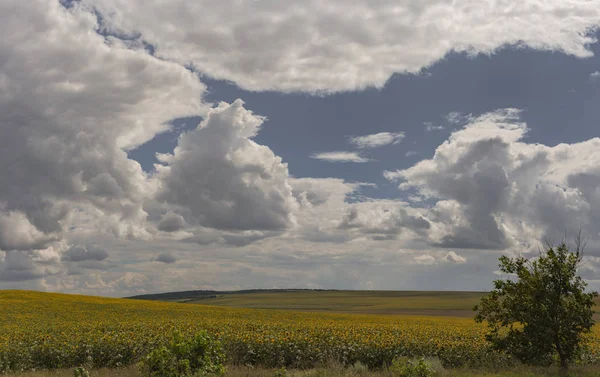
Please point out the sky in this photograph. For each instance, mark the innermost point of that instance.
(152, 146)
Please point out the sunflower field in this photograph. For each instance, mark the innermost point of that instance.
(48, 331)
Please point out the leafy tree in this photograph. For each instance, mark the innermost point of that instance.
(541, 314)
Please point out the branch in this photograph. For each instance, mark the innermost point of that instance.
(580, 245)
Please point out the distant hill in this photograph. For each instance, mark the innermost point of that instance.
(207, 294)
(440, 303)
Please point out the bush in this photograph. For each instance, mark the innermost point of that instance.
(80, 372)
(404, 367)
(185, 357)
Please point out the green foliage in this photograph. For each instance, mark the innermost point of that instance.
(81, 372)
(281, 372)
(199, 355)
(541, 316)
(404, 367)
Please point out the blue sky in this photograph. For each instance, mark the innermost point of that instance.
(558, 98)
(155, 146)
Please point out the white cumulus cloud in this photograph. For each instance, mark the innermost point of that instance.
(218, 177)
(71, 105)
(495, 191)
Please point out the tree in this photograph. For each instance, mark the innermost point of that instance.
(543, 312)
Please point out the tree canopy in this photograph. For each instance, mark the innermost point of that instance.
(541, 311)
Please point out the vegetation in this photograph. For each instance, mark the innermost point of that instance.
(405, 367)
(543, 314)
(43, 330)
(198, 355)
(81, 372)
(455, 304)
(332, 370)
(419, 303)
(56, 331)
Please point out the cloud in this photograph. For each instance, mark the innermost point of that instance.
(212, 237)
(128, 282)
(450, 257)
(410, 153)
(17, 233)
(595, 76)
(312, 192)
(85, 253)
(171, 222)
(429, 126)
(72, 105)
(339, 156)
(315, 192)
(327, 47)
(324, 199)
(494, 191)
(425, 259)
(166, 258)
(19, 266)
(454, 258)
(243, 238)
(453, 118)
(218, 177)
(377, 140)
(204, 237)
(382, 220)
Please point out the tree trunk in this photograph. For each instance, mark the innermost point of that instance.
(564, 363)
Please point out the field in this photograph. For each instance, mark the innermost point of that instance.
(456, 304)
(446, 304)
(53, 331)
(331, 371)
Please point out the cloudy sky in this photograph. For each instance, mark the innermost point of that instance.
(151, 146)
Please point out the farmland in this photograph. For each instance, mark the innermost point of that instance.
(419, 303)
(52, 331)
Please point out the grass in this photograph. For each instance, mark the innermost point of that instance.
(329, 371)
